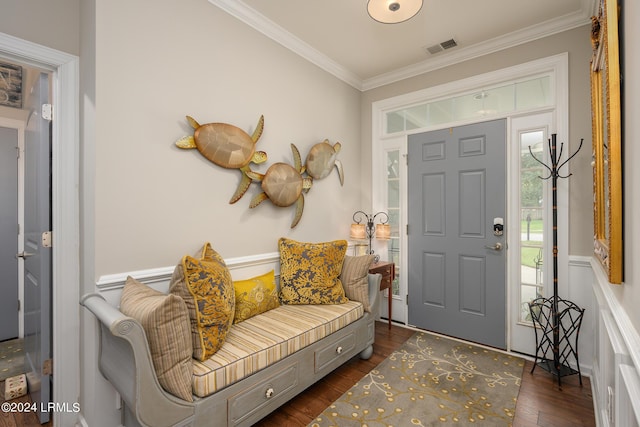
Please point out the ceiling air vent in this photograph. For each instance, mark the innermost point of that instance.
(441, 46)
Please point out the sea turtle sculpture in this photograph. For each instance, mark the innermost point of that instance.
(227, 146)
(321, 160)
(283, 185)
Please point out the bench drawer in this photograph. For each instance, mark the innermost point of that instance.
(326, 355)
(246, 403)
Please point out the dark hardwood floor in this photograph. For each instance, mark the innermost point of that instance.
(540, 402)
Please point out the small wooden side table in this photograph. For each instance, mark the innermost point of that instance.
(388, 272)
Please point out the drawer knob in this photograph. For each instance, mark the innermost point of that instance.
(339, 349)
(269, 393)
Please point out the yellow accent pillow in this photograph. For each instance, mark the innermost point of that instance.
(255, 296)
(205, 285)
(165, 320)
(310, 272)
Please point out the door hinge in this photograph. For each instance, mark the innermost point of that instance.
(407, 299)
(407, 231)
(17, 152)
(47, 112)
(46, 239)
(47, 367)
(19, 306)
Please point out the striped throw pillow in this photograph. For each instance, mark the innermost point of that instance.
(355, 278)
(165, 321)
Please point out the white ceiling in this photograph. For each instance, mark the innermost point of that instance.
(340, 37)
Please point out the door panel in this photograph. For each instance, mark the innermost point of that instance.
(472, 196)
(9, 322)
(37, 257)
(456, 185)
(472, 284)
(433, 290)
(434, 218)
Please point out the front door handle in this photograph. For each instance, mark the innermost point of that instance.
(496, 247)
(24, 255)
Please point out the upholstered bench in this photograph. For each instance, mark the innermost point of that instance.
(264, 361)
(224, 395)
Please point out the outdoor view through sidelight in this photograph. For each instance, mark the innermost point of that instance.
(531, 220)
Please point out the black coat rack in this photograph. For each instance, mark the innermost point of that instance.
(557, 319)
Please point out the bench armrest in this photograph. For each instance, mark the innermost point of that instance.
(125, 360)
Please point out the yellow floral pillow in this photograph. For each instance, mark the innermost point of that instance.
(205, 285)
(310, 272)
(255, 296)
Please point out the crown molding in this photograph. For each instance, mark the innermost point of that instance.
(259, 22)
(525, 35)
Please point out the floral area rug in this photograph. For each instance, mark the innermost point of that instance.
(432, 381)
(11, 358)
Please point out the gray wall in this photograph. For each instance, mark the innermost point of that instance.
(54, 24)
(154, 202)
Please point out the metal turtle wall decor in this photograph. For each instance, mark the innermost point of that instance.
(284, 185)
(321, 160)
(227, 146)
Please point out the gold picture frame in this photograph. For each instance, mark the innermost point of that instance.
(607, 140)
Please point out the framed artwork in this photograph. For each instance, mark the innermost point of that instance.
(607, 140)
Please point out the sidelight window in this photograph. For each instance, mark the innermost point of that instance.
(532, 262)
(393, 209)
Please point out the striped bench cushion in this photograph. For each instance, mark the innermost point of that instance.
(259, 341)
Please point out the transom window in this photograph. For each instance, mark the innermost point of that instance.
(477, 105)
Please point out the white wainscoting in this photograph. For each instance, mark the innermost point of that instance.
(616, 358)
(579, 292)
(110, 286)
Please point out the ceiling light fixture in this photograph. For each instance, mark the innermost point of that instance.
(393, 11)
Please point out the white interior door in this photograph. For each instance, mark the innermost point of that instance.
(37, 254)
